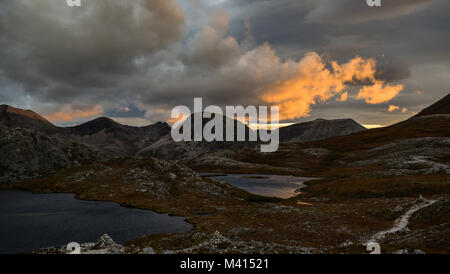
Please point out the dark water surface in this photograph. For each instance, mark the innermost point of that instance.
(280, 186)
(32, 221)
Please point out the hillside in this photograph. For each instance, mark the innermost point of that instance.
(26, 153)
(440, 107)
(427, 126)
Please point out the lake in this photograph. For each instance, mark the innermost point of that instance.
(280, 186)
(33, 221)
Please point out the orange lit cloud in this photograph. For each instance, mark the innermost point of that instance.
(313, 81)
(379, 93)
(393, 108)
(180, 118)
(68, 114)
(344, 97)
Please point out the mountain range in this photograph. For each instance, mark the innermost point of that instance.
(104, 133)
(31, 145)
(155, 140)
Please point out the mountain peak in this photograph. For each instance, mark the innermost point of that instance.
(6, 109)
(104, 119)
(95, 126)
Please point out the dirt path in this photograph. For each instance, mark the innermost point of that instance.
(402, 222)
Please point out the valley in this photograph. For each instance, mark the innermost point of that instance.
(369, 181)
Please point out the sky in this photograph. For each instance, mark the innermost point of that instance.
(135, 60)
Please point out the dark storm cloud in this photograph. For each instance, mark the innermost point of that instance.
(150, 55)
(395, 28)
(89, 60)
(351, 11)
(392, 70)
(59, 53)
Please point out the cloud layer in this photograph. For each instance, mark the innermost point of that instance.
(148, 56)
(350, 11)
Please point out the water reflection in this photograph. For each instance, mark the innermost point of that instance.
(281, 186)
(32, 221)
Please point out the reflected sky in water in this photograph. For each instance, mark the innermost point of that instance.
(281, 186)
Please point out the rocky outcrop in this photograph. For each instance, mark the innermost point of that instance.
(104, 245)
(414, 156)
(408, 251)
(214, 243)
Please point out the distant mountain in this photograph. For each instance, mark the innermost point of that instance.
(303, 132)
(31, 146)
(102, 132)
(318, 130)
(95, 126)
(166, 148)
(440, 107)
(421, 127)
(112, 136)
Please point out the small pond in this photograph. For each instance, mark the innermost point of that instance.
(266, 185)
(32, 221)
